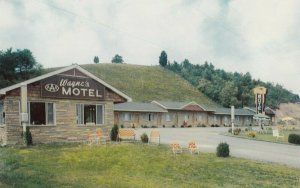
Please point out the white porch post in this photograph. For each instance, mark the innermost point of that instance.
(232, 118)
(24, 113)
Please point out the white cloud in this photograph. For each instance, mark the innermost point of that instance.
(264, 22)
(260, 37)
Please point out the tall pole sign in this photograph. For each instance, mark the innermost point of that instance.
(260, 99)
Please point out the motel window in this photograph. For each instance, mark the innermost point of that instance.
(215, 118)
(150, 117)
(168, 117)
(89, 114)
(2, 116)
(41, 113)
(200, 117)
(127, 116)
(186, 116)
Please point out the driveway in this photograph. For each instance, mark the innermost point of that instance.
(209, 138)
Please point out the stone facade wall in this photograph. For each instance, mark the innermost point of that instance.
(178, 118)
(65, 129)
(173, 119)
(225, 120)
(12, 120)
(137, 119)
(160, 119)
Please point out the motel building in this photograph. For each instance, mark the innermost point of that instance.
(178, 114)
(67, 104)
(61, 106)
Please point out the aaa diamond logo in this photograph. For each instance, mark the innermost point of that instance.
(52, 88)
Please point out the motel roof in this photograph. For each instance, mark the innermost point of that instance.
(59, 71)
(138, 107)
(261, 117)
(188, 106)
(170, 105)
(268, 110)
(238, 111)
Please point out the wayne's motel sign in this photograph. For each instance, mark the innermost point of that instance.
(69, 87)
(260, 99)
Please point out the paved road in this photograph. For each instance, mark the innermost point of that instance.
(209, 138)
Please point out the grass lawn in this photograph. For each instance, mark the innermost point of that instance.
(134, 165)
(271, 138)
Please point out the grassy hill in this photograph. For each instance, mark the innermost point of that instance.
(147, 83)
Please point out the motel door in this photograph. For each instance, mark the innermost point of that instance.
(136, 120)
(159, 119)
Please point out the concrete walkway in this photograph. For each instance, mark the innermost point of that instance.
(209, 138)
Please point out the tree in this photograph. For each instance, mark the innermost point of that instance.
(228, 95)
(17, 66)
(117, 59)
(229, 88)
(96, 59)
(163, 59)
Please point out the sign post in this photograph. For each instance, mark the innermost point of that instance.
(260, 102)
(232, 119)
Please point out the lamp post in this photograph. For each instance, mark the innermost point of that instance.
(232, 119)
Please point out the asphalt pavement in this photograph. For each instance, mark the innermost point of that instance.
(209, 138)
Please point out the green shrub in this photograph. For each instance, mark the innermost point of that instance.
(216, 125)
(144, 138)
(163, 126)
(27, 137)
(189, 125)
(153, 126)
(173, 126)
(114, 133)
(230, 130)
(223, 150)
(246, 129)
(236, 131)
(122, 126)
(294, 138)
(251, 134)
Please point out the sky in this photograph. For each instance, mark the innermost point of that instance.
(258, 36)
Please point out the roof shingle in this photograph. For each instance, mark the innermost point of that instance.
(138, 107)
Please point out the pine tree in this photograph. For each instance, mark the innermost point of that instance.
(163, 59)
(96, 59)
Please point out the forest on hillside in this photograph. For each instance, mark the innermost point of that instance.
(225, 88)
(229, 88)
